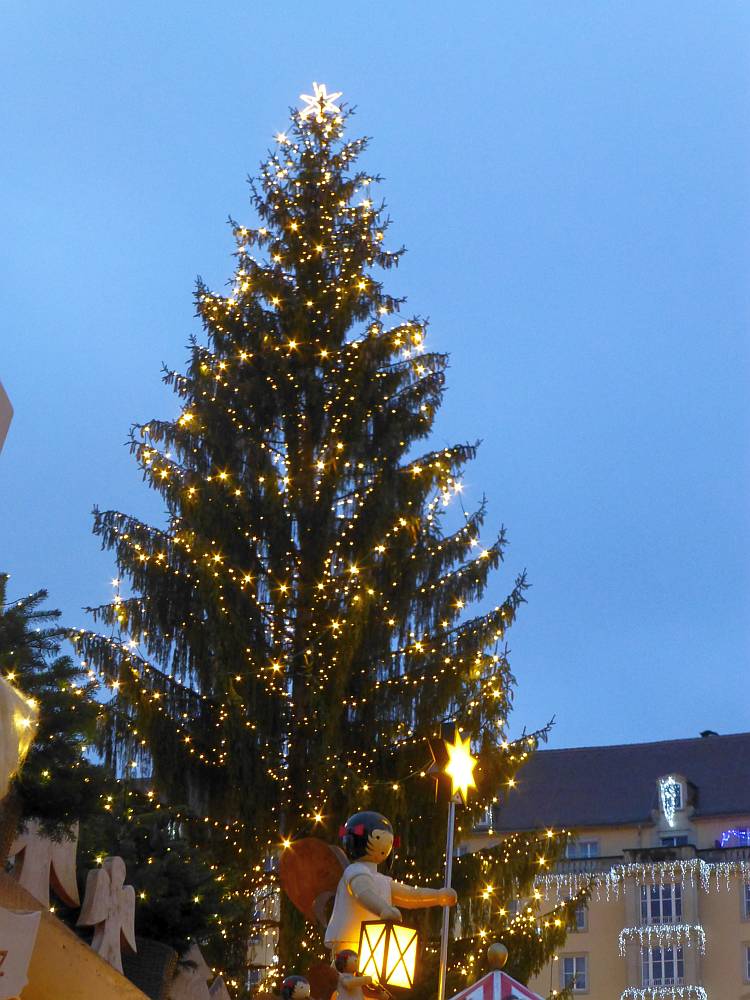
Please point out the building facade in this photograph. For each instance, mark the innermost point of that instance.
(663, 843)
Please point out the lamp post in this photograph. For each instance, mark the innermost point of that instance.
(452, 759)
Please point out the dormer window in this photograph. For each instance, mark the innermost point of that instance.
(671, 797)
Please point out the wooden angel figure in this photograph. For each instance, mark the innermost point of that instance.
(109, 907)
(295, 988)
(364, 893)
(41, 861)
(352, 986)
(218, 990)
(191, 979)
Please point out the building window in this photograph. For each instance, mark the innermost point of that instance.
(746, 900)
(575, 974)
(582, 849)
(747, 963)
(485, 822)
(675, 840)
(661, 904)
(663, 967)
(582, 917)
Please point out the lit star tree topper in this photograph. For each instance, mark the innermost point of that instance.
(320, 102)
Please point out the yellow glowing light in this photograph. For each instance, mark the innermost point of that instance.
(388, 953)
(460, 766)
(319, 103)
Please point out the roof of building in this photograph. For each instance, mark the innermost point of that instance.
(614, 785)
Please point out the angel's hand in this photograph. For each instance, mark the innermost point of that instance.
(391, 913)
(447, 897)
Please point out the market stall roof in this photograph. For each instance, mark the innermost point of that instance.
(496, 986)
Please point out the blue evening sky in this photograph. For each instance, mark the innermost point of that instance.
(572, 180)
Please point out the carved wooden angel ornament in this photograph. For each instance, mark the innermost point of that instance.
(218, 990)
(41, 862)
(109, 907)
(313, 872)
(191, 979)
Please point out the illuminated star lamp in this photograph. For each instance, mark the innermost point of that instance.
(452, 769)
(388, 953)
(452, 766)
(460, 766)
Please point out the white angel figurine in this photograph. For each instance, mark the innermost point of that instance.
(41, 861)
(218, 990)
(364, 893)
(109, 907)
(191, 979)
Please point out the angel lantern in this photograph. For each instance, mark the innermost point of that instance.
(109, 907)
(364, 893)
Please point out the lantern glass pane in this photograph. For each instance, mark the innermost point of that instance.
(402, 957)
(372, 950)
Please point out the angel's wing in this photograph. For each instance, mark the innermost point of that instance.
(63, 870)
(19, 843)
(323, 980)
(218, 990)
(310, 869)
(127, 915)
(95, 907)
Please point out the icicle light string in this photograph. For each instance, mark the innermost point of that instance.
(664, 993)
(662, 935)
(719, 874)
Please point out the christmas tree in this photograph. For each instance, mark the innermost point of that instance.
(58, 784)
(296, 630)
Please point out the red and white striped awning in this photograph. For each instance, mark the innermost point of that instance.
(496, 986)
